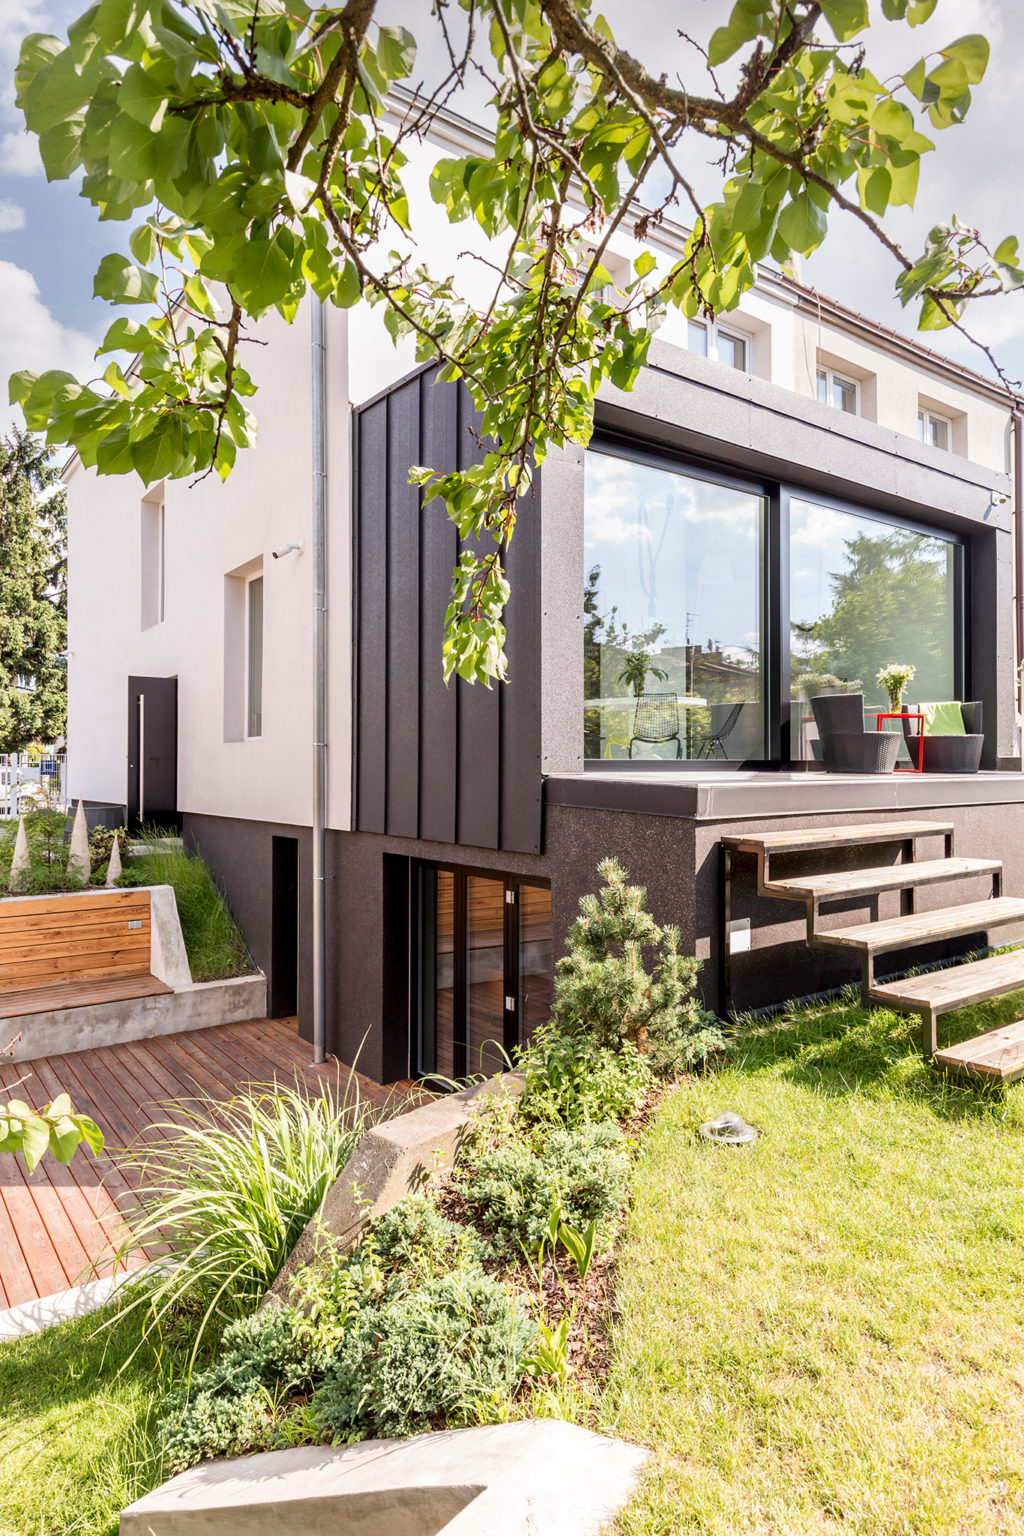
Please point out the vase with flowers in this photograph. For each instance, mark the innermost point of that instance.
(894, 679)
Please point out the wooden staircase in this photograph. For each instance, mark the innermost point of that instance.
(996, 1056)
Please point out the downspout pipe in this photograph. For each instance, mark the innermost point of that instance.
(319, 370)
(1017, 429)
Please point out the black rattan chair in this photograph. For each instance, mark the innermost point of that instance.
(656, 720)
(953, 754)
(846, 747)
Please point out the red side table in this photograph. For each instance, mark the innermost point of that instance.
(907, 714)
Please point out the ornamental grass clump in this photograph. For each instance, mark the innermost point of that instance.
(229, 1190)
(604, 990)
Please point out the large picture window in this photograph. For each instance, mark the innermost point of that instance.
(864, 593)
(673, 614)
(714, 609)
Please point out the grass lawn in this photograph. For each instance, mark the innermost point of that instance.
(213, 943)
(825, 1332)
(74, 1434)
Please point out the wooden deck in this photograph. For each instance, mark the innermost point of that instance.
(56, 1227)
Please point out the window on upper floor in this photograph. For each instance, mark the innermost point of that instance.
(153, 551)
(709, 339)
(935, 430)
(837, 390)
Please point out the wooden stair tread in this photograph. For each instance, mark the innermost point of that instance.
(956, 986)
(855, 882)
(837, 837)
(998, 1055)
(923, 927)
(78, 994)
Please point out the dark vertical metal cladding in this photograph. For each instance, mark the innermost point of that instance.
(519, 766)
(439, 546)
(478, 810)
(458, 764)
(372, 519)
(403, 637)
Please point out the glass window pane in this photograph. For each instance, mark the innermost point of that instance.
(535, 958)
(254, 723)
(844, 395)
(444, 974)
(863, 594)
(939, 432)
(673, 629)
(697, 338)
(732, 350)
(922, 426)
(823, 386)
(485, 974)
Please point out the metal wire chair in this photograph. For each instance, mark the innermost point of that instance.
(656, 720)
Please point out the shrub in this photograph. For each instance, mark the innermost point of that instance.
(415, 1237)
(602, 989)
(427, 1354)
(570, 1080)
(231, 1189)
(47, 855)
(214, 946)
(514, 1187)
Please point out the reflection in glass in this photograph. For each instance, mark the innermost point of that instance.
(535, 958)
(673, 631)
(444, 974)
(863, 594)
(485, 973)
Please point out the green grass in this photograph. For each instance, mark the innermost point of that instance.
(824, 1332)
(75, 1442)
(214, 946)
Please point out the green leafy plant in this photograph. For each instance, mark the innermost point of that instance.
(48, 852)
(56, 1129)
(515, 1188)
(550, 1356)
(894, 678)
(604, 990)
(33, 594)
(570, 1080)
(579, 1246)
(253, 145)
(213, 943)
(636, 668)
(231, 1188)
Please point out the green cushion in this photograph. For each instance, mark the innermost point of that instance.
(942, 719)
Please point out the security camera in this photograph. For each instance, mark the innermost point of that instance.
(285, 549)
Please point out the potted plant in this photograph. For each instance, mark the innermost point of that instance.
(636, 668)
(894, 678)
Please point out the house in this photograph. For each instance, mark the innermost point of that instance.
(791, 494)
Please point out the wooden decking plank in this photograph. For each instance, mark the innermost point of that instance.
(998, 1055)
(837, 837)
(279, 1051)
(983, 1047)
(924, 927)
(856, 882)
(957, 986)
(248, 1065)
(208, 1074)
(16, 1001)
(164, 1083)
(39, 1254)
(16, 1282)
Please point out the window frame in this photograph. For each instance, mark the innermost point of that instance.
(926, 414)
(831, 375)
(712, 330)
(775, 594)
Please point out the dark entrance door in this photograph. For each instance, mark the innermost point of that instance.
(483, 965)
(284, 928)
(152, 794)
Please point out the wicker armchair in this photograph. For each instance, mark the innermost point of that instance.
(846, 747)
(954, 754)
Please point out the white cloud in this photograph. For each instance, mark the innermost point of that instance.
(19, 155)
(12, 216)
(31, 337)
(17, 19)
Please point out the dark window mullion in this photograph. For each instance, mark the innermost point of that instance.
(460, 957)
(511, 1015)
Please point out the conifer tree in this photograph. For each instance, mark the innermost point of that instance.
(604, 989)
(33, 595)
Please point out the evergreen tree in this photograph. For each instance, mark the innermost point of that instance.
(33, 595)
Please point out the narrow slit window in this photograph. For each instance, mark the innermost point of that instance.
(254, 690)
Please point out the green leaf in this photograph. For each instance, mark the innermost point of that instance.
(396, 52)
(142, 98)
(802, 224)
(972, 52)
(122, 282)
(845, 17)
(142, 243)
(35, 1140)
(644, 264)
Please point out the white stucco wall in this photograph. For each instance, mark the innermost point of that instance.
(211, 530)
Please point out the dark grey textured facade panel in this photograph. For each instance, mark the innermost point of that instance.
(371, 553)
(459, 764)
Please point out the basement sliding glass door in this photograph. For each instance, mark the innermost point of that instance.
(482, 962)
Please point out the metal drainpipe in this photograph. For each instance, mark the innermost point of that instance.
(319, 358)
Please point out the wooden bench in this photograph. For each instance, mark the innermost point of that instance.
(73, 950)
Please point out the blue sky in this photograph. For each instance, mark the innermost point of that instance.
(51, 240)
